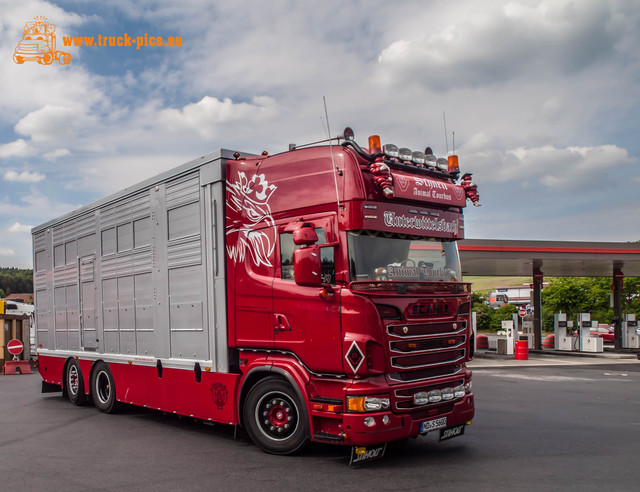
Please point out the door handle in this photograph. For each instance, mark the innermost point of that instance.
(281, 323)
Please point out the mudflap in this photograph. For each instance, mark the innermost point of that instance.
(50, 387)
(451, 432)
(365, 454)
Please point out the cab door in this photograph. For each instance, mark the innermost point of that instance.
(304, 322)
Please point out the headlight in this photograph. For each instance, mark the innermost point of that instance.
(363, 404)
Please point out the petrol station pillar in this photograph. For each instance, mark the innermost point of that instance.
(618, 279)
(537, 308)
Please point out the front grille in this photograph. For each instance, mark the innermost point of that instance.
(426, 374)
(420, 329)
(428, 360)
(427, 350)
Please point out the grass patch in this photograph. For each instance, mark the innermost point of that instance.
(483, 285)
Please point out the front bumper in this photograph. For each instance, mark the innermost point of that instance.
(401, 426)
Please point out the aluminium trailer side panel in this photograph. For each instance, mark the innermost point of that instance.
(140, 274)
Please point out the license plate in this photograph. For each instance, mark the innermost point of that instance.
(434, 424)
(363, 454)
(452, 432)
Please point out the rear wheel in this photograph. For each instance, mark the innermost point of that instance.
(103, 388)
(74, 383)
(275, 417)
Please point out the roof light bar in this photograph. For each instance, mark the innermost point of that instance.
(442, 164)
(418, 157)
(390, 150)
(405, 154)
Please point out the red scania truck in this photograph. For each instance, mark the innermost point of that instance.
(313, 295)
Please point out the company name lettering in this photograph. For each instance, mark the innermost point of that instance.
(420, 223)
(418, 272)
(435, 190)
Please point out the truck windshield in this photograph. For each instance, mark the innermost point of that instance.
(376, 255)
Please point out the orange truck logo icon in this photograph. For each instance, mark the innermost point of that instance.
(38, 43)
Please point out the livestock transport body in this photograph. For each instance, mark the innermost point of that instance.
(314, 295)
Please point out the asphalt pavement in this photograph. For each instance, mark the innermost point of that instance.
(553, 422)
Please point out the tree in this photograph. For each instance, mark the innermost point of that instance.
(503, 313)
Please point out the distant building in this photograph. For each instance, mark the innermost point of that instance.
(24, 298)
(518, 295)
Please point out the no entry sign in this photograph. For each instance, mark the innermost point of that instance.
(15, 347)
(522, 312)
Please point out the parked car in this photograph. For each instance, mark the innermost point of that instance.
(602, 331)
(605, 332)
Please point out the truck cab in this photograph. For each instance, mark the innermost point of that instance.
(346, 268)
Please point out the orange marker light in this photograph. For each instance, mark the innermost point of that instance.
(374, 144)
(453, 164)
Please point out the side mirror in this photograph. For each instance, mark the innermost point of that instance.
(306, 265)
(304, 236)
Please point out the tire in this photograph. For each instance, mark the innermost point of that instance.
(103, 388)
(275, 417)
(74, 383)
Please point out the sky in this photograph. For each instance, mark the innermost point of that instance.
(542, 96)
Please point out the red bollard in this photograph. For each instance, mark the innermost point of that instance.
(482, 342)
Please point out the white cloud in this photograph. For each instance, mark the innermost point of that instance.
(566, 169)
(23, 177)
(499, 42)
(20, 228)
(6, 252)
(208, 114)
(54, 154)
(17, 148)
(50, 123)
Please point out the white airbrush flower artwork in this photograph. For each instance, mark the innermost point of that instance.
(249, 199)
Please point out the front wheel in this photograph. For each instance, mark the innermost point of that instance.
(103, 388)
(275, 417)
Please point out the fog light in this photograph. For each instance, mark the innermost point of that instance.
(385, 419)
(435, 396)
(369, 421)
(447, 394)
(421, 398)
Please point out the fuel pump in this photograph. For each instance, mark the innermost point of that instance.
(560, 325)
(512, 335)
(585, 342)
(630, 331)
